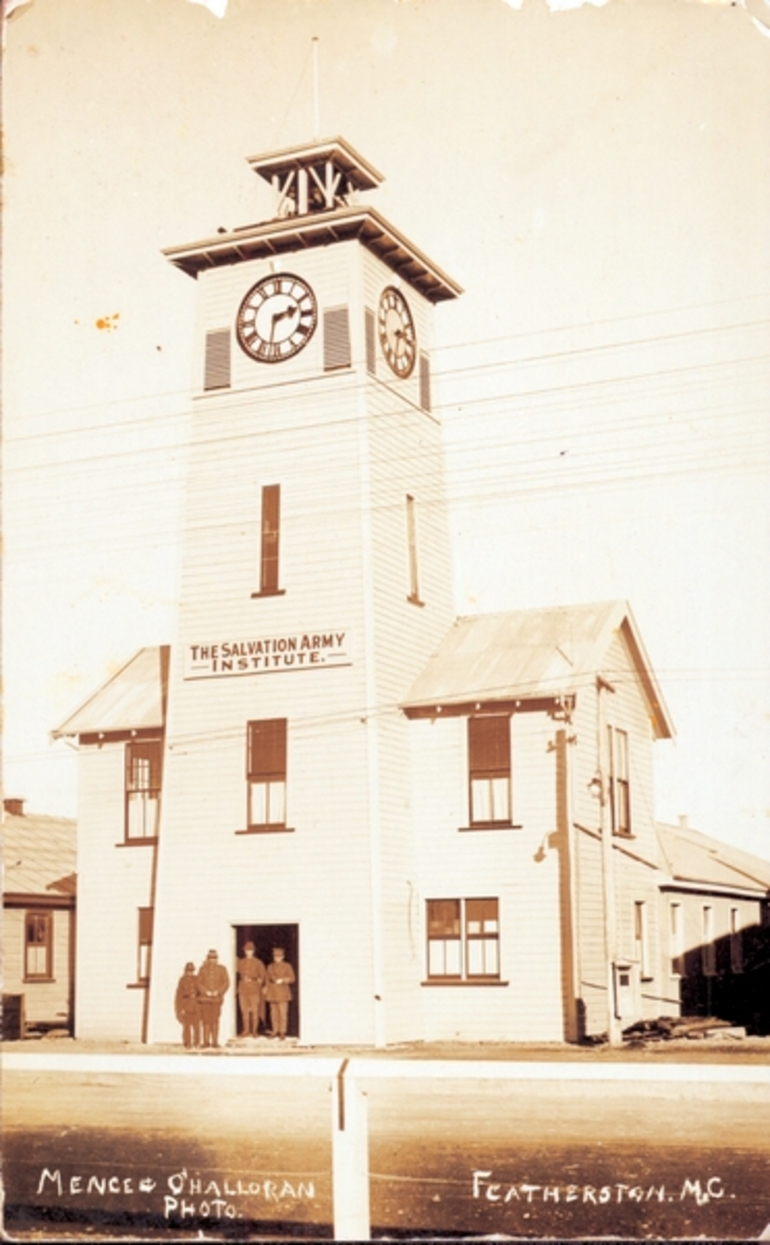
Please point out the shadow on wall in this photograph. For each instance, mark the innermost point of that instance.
(730, 981)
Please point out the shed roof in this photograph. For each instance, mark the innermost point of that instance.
(39, 854)
(533, 655)
(691, 856)
(133, 699)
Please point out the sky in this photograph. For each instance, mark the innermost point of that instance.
(597, 180)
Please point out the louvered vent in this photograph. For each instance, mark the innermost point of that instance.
(425, 382)
(336, 338)
(217, 368)
(371, 358)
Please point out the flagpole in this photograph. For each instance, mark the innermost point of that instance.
(316, 92)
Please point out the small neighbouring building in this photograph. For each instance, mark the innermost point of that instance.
(715, 911)
(447, 823)
(39, 897)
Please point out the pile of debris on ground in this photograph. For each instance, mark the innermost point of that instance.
(693, 1028)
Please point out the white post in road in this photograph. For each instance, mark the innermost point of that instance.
(350, 1159)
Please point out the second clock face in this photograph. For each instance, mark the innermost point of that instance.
(277, 318)
(397, 334)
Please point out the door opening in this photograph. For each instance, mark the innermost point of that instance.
(265, 937)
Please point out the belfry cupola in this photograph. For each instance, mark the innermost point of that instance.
(317, 178)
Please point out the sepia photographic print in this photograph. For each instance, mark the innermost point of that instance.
(386, 621)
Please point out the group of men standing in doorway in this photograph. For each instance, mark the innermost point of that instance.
(199, 996)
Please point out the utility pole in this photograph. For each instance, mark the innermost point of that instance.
(609, 904)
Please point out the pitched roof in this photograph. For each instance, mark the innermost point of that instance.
(39, 854)
(694, 857)
(531, 655)
(133, 699)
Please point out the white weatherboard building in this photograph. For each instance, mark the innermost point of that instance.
(448, 824)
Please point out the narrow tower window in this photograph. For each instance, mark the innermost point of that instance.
(425, 401)
(271, 524)
(411, 542)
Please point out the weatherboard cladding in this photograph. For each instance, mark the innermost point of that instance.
(45, 1002)
(114, 882)
(506, 864)
(329, 813)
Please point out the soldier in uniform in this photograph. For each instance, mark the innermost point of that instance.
(251, 983)
(280, 977)
(187, 1007)
(213, 984)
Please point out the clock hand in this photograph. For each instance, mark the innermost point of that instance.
(281, 315)
(287, 311)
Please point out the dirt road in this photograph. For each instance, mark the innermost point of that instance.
(171, 1154)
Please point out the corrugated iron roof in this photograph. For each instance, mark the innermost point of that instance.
(532, 655)
(691, 856)
(133, 699)
(39, 854)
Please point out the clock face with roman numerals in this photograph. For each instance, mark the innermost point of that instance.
(276, 318)
(397, 335)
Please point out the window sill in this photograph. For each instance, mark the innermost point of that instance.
(138, 842)
(623, 834)
(489, 825)
(269, 592)
(137, 985)
(413, 600)
(459, 981)
(267, 830)
(39, 981)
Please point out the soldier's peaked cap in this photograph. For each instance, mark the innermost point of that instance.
(213, 955)
(189, 967)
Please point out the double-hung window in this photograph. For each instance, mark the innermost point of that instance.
(143, 781)
(38, 946)
(642, 939)
(489, 766)
(463, 939)
(676, 938)
(620, 789)
(144, 945)
(708, 950)
(736, 941)
(270, 541)
(266, 774)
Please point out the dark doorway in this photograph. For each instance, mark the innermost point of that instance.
(265, 937)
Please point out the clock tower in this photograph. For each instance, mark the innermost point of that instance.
(316, 582)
